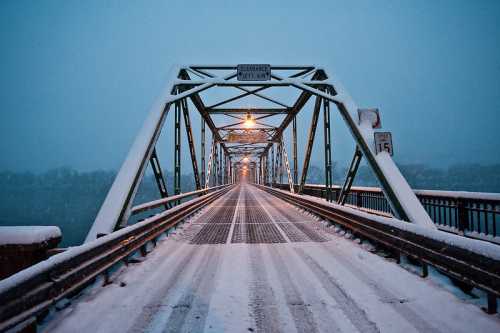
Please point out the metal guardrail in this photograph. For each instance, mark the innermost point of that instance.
(458, 257)
(473, 214)
(161, 202)
(32, 291)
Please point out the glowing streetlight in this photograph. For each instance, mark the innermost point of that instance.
(249, 121)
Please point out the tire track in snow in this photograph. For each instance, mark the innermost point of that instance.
(196, 299)
(263, 307)
(401, 307)
(302, 315)
(356, 315)
(150, 311)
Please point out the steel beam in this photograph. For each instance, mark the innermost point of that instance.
(222, 158)
(200, 106)
(328, 150)
(288, 172)
(192, 150)
(264, 97)
(115, 209)
(235, 98)
(280, 167)
(351, 174)
(403, 201)
(216, 164)
(294, 151)
(297, 106)
(177, 149)
(273, 170)
(310, 142)
(308, 79)
(202, 149)
(276, 164)
(210, 164)
(244, 111)
(158, 174)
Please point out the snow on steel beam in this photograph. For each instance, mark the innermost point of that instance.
(298, 105)
(226, 83)
(115, 209)
(403, 201)
(116, 206)
(275, 67)
(200, 106)
(266, 111)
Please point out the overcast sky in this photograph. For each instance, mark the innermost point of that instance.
(78, 77)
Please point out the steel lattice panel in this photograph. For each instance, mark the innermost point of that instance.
(212, 233)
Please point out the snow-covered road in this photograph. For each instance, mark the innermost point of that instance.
(252, 263)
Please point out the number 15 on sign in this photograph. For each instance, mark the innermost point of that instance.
(383, 142)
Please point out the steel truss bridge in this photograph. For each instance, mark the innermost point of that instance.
(256, 248)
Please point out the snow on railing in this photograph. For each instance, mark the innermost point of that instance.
(473, 262)
(472, 214)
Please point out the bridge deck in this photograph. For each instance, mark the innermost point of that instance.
(251, 262)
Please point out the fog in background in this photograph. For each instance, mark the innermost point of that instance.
(78, 78)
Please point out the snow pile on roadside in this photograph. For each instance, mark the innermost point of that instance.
(28, 234)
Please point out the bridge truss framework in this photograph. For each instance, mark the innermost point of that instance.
(258, 151)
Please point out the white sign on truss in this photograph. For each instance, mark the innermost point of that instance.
(370, 115)
(383, 142)
(254, 72)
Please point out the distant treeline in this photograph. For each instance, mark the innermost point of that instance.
(465, 177)
(66, 198)
(71, 199)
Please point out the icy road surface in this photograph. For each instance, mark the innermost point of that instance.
(252, 263)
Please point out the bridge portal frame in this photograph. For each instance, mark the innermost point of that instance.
(310, 80)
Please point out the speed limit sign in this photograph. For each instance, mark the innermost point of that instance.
(383, 142)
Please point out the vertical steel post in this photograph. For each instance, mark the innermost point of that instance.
(225, 170)
(277, 164)
(221, 157)
(216, 164)
(192, 150)
(310, 142)
(294, 151)
(273, 176)
(202, 149)
(177, 148)
(328, 150)
(210, 164)
(267, 169)
(281, 161)
(261, 170)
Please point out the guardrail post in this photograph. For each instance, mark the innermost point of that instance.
(143, 250)
(359, 199)
(462, 216)
(492, 304)
(425, 269)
